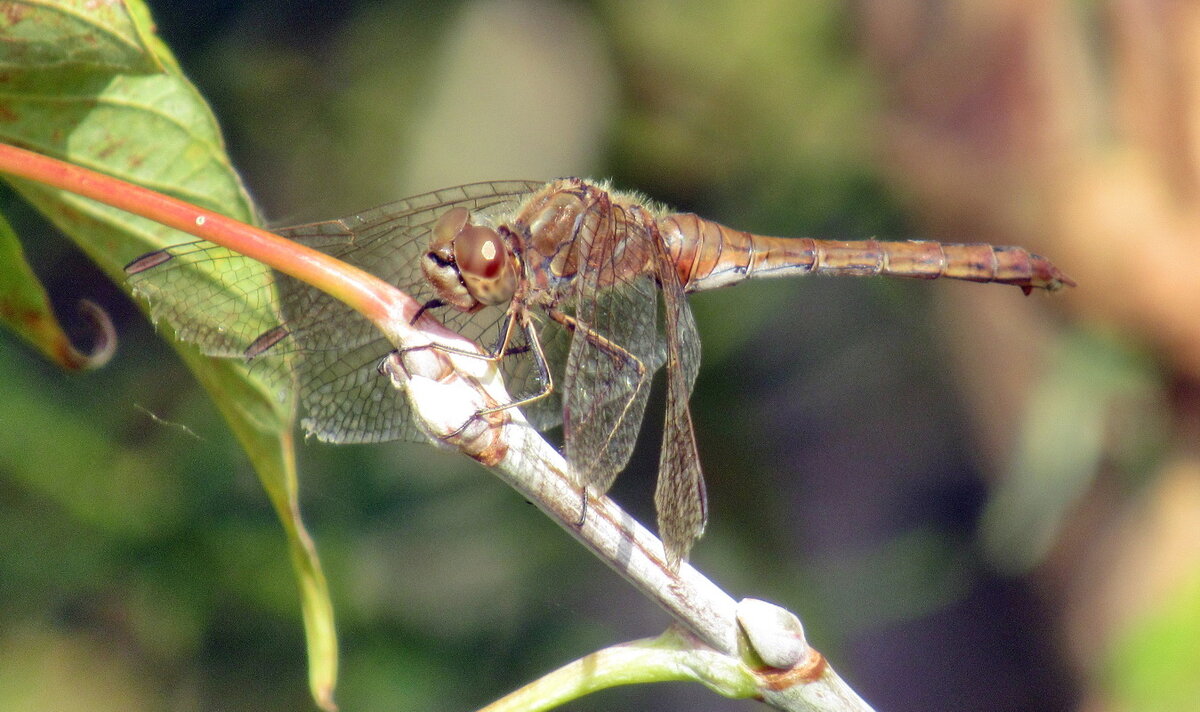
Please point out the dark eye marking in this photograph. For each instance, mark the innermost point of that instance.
(439, 260)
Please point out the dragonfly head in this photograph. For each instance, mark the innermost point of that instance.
(469, 266)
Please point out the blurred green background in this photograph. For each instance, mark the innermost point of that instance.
(943, 480)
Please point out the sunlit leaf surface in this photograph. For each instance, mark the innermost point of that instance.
(88, 83)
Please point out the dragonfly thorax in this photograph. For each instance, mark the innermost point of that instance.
(469, 266)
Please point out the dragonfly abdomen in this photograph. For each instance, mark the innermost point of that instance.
(709, 255)
(979, 262)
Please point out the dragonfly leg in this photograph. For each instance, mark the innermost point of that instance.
(431, 304)
(614, 351)
(583, 492)
(534, 347)
(499, 351)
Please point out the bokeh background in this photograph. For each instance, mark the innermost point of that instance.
(974, 499)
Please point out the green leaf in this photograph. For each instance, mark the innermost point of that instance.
(88, 83)
(25, 308)
(112, 36)
(670, 657)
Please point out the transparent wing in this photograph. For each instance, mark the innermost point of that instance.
(679, 497)
(522, 379)
(213, 298)
(615, 348)
(232, 306)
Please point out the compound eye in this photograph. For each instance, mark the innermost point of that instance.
(448, 226)
(479, 252)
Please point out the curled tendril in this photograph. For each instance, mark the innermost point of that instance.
(104, 340)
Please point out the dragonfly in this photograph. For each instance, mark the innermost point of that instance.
(576, 290)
